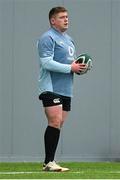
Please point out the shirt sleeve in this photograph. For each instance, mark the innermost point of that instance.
(46, 54)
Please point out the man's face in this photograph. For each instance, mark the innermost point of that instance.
(60, 21)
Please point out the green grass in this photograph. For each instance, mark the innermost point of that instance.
(82, 170)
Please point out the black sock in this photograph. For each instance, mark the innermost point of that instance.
(51, 138)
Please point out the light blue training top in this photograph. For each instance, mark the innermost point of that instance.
(56, 53)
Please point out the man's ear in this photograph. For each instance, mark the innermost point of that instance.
(52, 21)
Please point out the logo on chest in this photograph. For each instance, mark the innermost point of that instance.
(70, 50)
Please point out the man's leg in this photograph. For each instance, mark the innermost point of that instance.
(52, 133)
(55, 116)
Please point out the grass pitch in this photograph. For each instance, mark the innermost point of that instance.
(82, 170)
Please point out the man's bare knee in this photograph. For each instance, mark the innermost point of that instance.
(54, 121)
(54, 116)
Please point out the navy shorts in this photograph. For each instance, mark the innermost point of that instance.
(52, 99)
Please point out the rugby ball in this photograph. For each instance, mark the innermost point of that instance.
(84, 59)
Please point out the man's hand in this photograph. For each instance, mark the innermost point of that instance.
(78, 67)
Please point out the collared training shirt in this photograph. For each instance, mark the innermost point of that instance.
(56, 53)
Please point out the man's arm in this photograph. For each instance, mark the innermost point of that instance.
(46, 53)
(51, 65)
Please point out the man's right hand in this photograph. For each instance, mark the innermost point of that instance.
(78, 67)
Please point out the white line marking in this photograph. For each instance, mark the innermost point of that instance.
(37, 172)
(43, 172)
